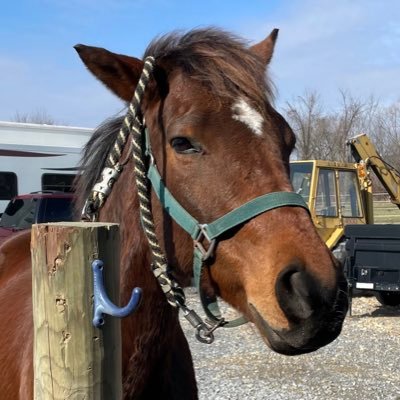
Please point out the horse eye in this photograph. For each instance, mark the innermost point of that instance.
(183, 145)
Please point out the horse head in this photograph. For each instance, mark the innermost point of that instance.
(218, 143)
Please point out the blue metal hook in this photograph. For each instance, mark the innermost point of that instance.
(103, 304)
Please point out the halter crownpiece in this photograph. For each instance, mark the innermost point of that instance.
(146, 171)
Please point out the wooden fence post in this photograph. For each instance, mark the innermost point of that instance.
(73, 359)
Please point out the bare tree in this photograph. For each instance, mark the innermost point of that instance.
(303, 115)
(344, 123)
(386, 132)
(321, 133)
(38, 117)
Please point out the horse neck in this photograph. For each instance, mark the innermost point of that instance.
(156, 359)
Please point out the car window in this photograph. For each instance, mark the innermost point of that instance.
(57, 209)
(19, 214)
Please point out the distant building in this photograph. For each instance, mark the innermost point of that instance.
(35, 157)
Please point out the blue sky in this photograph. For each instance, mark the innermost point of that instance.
(323, 45)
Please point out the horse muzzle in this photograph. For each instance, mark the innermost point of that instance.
(315, 316)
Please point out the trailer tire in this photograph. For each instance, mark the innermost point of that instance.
(388, 298)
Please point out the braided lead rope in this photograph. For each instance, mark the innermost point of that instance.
(171, 289)
(113, 166)
(132, 124)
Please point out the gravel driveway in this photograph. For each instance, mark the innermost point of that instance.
(363, 363)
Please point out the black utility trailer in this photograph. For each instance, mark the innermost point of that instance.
(373, 261)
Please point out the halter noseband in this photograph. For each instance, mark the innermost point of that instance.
(146, 171)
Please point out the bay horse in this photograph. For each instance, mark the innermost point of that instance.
(218, 143)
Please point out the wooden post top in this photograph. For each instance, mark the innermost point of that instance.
(79, 224)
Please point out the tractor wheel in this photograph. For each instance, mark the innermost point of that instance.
(388, 298)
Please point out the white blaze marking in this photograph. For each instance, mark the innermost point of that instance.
(243, 112)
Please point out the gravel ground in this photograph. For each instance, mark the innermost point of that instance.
(363, 363)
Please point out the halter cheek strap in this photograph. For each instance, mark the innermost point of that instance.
(212, 231)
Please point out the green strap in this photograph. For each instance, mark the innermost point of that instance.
(173, 208)
(190, 225)
(210, 306)
(253, 208)
(233, 218)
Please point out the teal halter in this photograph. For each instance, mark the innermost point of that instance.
(211, 231)
(200, 233)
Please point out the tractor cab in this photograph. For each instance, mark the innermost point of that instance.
(332, 191)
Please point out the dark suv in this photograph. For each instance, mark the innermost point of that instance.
(35, 208)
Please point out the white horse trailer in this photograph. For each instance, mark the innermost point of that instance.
(36, 157)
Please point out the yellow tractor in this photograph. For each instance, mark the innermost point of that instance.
(339, 196)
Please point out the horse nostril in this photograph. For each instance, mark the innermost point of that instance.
(296, 293)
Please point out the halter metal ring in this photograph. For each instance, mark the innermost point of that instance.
(198, 242)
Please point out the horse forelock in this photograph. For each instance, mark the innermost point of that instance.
(219, 60)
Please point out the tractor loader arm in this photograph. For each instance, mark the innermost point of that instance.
(365, 153)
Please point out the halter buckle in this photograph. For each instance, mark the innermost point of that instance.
(199, 240)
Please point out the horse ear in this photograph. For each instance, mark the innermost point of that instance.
(265, 48)
(118, 72)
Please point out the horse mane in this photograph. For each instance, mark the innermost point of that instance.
(217, 59)
(94, 157)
